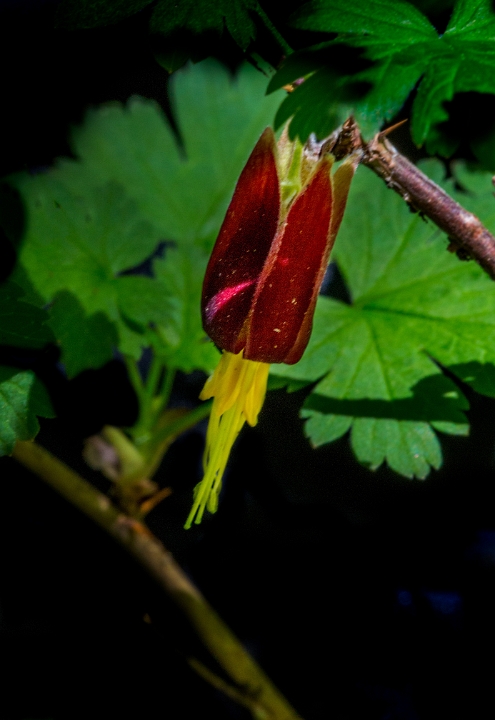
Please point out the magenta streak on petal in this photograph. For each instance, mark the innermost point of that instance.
(221, 298)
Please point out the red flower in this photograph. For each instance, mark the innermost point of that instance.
(261, 286)
(266, 268)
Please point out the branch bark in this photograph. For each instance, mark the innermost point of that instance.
(468, 236)
(252, 687)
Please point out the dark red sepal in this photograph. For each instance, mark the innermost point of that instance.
(283, 305)
(242, 248)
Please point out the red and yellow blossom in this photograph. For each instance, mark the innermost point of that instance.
(261, 286)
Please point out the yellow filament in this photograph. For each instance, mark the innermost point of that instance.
(238, 387)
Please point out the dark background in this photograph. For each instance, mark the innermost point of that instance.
(363, 595)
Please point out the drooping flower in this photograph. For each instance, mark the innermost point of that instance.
(261, 286)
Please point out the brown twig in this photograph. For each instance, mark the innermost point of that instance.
(467, 235)
(248, 679)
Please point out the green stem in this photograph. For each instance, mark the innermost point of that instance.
(153, 377)
(271, 27)
(260, 694)
(168, 382)
(134, 376)
(146, 415)
(164, 397)
(146, 392)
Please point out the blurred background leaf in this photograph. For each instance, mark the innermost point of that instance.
(22, 399)
(91, 221)
(83, 14)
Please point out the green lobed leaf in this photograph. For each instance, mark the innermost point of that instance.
(325, 99)
(436, 87)
(310, 108)
(22, 398)
(82, 243)
(183, 192)
(21, 323)
(171, 16)
(87, 341)
(415, 309)
(169, 317)
(398, 21)
(179, 337)
(469, 17)
(78, 14)
(408, 52)
(89, 221)
(198, 16)
(202, 15)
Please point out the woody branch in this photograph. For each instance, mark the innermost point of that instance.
(249, 685)
(468, 236)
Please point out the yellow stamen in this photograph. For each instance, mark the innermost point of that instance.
(238, 387)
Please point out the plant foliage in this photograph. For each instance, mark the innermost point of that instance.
(414, 310)
(134, 189)
(407, 54)
(22, 395)
(169, 16)
(116, 242)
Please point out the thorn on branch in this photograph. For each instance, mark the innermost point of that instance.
(454, 247)
(468, 237)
